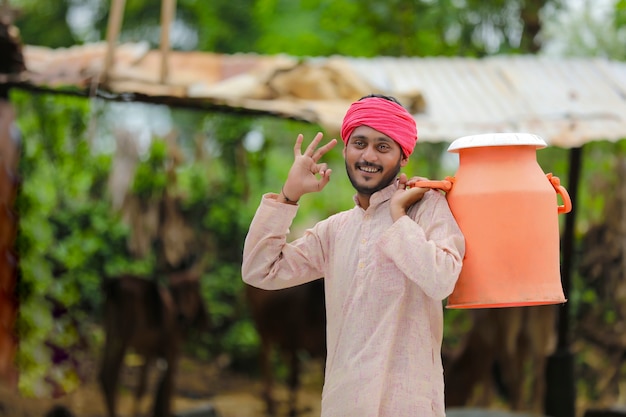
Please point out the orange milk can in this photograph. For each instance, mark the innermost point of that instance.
(507, 209)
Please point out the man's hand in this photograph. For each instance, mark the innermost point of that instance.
(405, 196)
(307, 174)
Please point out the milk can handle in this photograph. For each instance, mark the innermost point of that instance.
(567, 202)
(444, 185)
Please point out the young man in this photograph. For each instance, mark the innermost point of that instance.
(387, 265)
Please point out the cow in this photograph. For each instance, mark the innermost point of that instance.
(152, 319)
(505, 348)
(291, 321)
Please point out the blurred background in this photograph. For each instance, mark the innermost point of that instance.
(105, 180)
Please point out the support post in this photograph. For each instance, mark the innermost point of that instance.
(114, 26)
(168, 11)
(560, 398)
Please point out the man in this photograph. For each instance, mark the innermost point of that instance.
(387, 265)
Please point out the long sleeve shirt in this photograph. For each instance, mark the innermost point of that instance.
(384, 282)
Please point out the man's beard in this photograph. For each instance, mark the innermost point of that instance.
(384, 182)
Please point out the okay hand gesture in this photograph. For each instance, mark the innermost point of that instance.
(307, 174)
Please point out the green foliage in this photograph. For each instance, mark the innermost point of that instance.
(68, 237)
(150, 177)
(224, 27)
(392, 28)
(301, 27)
(34, 15)
(620, 13)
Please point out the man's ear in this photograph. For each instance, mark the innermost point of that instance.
(404, 160)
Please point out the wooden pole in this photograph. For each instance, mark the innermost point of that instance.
(12, 63)
(168, 10)
(10, 145)
(114, 26)
(560, 398)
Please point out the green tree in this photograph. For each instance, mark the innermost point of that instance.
(68, 239)
(588, 31)
(44, 23)
(398, 27)
(303, 27)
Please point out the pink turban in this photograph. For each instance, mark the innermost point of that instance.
(385, 116)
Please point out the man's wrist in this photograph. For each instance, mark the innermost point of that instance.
(286, 198)
(397, 214)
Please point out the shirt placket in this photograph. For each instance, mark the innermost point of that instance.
(364, 253)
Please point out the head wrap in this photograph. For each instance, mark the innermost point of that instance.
(385, 116)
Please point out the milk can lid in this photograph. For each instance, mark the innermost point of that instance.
(497, 139)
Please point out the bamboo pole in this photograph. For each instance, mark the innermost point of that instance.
(114, 26)
(168, 10)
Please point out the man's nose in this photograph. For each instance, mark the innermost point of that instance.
(370, 154)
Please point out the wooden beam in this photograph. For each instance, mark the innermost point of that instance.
(116, 15)
(168, 12)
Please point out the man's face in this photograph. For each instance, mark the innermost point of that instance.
(373, 160)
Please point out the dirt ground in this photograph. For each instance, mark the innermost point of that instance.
(198, 386)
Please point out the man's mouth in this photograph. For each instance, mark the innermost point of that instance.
(368, 169)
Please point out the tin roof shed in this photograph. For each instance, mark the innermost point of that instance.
(567, 101)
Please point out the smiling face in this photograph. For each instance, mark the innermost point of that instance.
(373, 161)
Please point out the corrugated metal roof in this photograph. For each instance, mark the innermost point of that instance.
(567, 101)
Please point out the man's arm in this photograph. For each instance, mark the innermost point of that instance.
(268, 261)
(430, 249)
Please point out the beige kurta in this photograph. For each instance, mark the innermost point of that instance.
(384, 284)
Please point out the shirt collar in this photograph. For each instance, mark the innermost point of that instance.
(380, 196)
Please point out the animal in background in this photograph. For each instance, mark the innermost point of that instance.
(152, 320)
(506, 347)
(291, 320)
